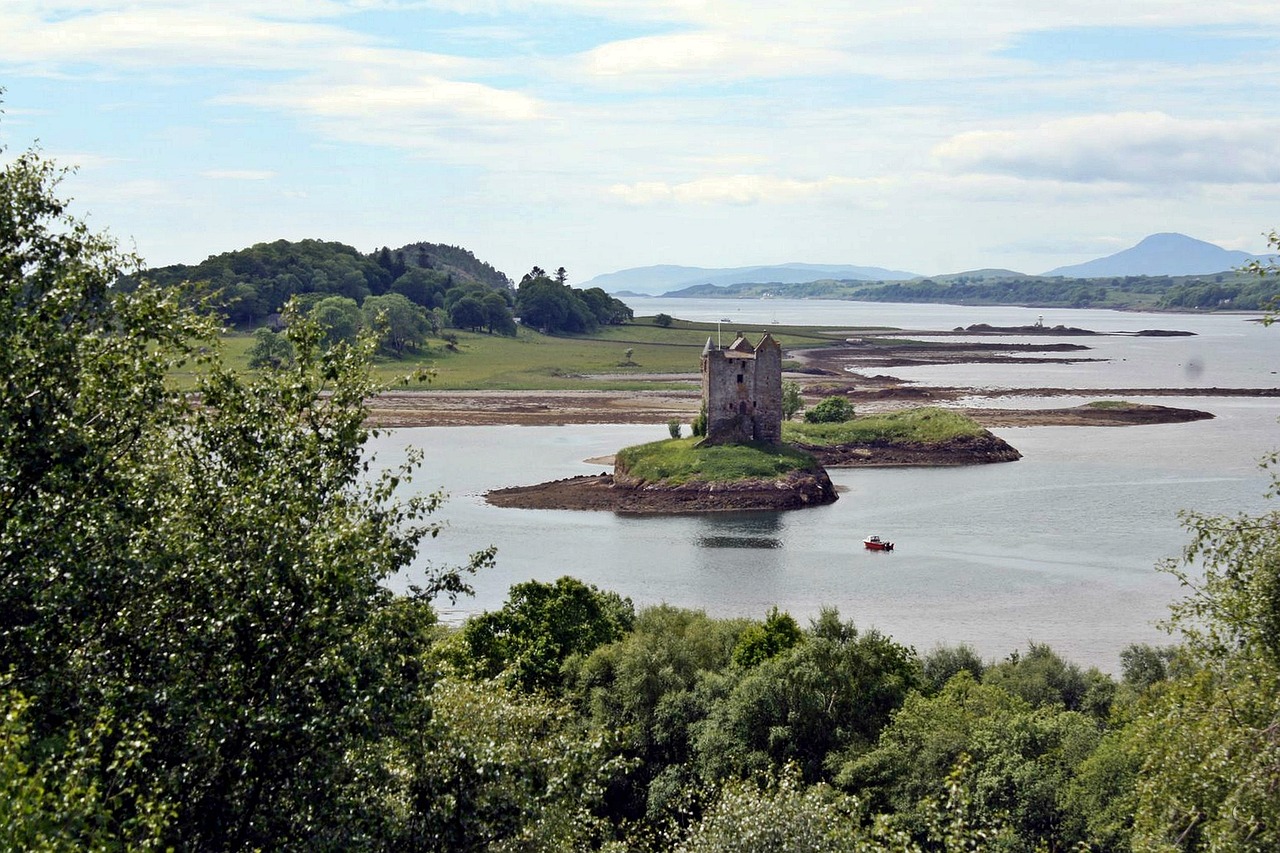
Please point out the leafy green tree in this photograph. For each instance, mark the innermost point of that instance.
(210, 570)
(51, 794)
(781, 816)
(826, 696)
(1023, 761)
(401, 326)
(339, 317)
(774, 636)
(792, 402)
(497, 315)
(1211, 757)
(641, 687)
(540, 626)
(1041, 677)
(494, 769)
(422, 287)
(830, 410)
(944, 662)
(663, 320)
(270, 349)
(467, 313)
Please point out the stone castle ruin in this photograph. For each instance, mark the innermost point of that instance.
(742, 391)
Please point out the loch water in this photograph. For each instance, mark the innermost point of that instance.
(1060, 547)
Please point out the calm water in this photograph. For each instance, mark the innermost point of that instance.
(1057, 548)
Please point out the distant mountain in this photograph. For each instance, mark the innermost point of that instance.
(1161, 254)
(661, 279)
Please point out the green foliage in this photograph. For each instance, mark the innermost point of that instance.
(699, 425)
(827, 696)
(792, 402)
(52, 796)
(339, 317)
(924, 425)
(248, 285)
(400, 325)
(782, 815)
(1042, 678)
(944, 662)
(270, 350)
(642, 688)
(774, 636)
(542, 624)
(556, 308)
(831, 410)
(1211, 757)
(498, 770)
(212, 568)
(673, 427)
(683, 461)
(1023, 761)
(663, 320)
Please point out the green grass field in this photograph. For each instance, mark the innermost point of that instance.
(928, 425)
(680, 460)
(533, 361)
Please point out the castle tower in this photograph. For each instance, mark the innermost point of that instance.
(742, 391)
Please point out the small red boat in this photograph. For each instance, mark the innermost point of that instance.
(875, 543)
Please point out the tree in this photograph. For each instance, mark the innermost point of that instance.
(1221, 714)
(467, 313)
(211, 571)
(540, 626)
(401, 325)
(830, 410)
(830, 694)
(663, 320)
(497, 314)
(270, 349)
(774, 636)
(792, 402)
(339, 317)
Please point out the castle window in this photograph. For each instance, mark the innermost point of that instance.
(739, 378)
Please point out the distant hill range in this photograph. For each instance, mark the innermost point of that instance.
(652, 281)
(1166, 254)
(1162, 254)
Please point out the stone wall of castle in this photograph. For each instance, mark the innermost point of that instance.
(742, 391)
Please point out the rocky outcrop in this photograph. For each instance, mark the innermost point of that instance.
(964, 450)
(621, 493)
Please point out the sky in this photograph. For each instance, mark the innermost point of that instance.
(600, 135)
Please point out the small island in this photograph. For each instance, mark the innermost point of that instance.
(743, 456)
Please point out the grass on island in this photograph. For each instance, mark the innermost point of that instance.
(533, 361)
(928, 425)
(680, 460)
(1110, 404)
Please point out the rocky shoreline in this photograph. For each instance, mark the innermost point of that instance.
(603, 491)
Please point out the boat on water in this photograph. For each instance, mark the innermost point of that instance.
(875, 543)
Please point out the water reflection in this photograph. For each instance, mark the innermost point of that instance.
(740, 530)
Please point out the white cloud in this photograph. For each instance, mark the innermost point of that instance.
(238, 174)
(1144, 148)
(729, 189)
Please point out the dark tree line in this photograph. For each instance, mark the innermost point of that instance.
(552, 306)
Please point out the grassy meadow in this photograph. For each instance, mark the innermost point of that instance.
(534, 361)
(927, 425)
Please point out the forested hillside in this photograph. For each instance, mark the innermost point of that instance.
(1221, 292)
(249, 285)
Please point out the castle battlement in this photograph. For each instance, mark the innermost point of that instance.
(742, 391)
